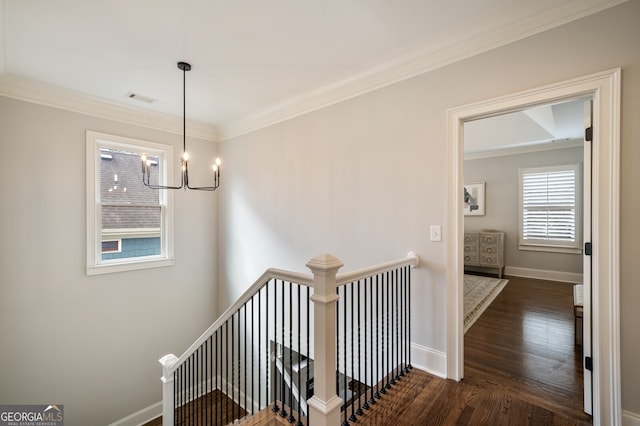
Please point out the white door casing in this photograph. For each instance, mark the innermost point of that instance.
(604, 89)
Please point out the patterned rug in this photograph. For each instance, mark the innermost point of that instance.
(479, 292)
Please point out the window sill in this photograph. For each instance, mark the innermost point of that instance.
(550, 249)
(108, 268)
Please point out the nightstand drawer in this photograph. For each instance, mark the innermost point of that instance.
(489, 259)
(471, 258)
(471, 239)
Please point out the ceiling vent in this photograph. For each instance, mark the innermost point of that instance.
(141, 98)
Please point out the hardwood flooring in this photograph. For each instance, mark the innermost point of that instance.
(521, 368)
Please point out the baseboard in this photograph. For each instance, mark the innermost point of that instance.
(141, 417)
(543, 274)
(630, 419)
(429, 360)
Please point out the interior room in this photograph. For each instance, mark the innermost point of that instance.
(336, 126)
(537, 311)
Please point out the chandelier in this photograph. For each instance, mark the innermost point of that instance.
(184, 158)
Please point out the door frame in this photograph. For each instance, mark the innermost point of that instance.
(604, 88)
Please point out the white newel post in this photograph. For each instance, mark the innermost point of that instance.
(167, 362)
(324, 406)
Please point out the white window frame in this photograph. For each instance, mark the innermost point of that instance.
(95, 264)
(548, 245)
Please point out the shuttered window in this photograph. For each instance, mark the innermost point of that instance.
(550, 208)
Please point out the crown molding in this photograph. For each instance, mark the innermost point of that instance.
(34, 91)
(410, 65)
(397, 69)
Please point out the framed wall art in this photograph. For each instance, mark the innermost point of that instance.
(474, 199)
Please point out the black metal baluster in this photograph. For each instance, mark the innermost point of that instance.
(290, 418)
(378, 379)
(206, 382)
(385, 340)
(367, 332)
(396, 363)
(359, 384)
(190, 400)
(283, 411)
(199, 385)
(388, 369)
(253, 337)
(402, 325)
(338, 342)
(344, 346)
(308, 298)
(353, 402)
(275, 408)
(409, 366)
(260, 346)
(226, 371)
(233, 369)
(299, 305)
(373, 330)
(215, 377)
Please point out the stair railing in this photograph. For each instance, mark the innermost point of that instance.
(273, 347)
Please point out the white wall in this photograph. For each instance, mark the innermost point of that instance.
(500, 175)
(89, 343)
(363, 179)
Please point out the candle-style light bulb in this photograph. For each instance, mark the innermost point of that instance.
(143, 157)
(185, 156)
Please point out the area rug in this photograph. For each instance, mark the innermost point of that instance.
(479, 292)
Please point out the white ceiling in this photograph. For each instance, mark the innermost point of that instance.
(560, 124)
(254, 61)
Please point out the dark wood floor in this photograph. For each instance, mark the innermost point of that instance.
(521, 368)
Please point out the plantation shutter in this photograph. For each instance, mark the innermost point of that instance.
(549, 206)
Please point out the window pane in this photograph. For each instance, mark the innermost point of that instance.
(131, 212)
(549, 205)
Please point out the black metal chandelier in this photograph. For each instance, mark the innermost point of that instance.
(184, 158)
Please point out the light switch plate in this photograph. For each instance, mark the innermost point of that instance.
(435, 233)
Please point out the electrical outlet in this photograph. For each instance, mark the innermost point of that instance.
(435, 233)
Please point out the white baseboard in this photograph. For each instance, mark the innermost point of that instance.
(429, 360)
(543, 274)
(141, 417)
(630, 419)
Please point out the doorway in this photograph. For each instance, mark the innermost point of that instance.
(533, 167)
(604, 88)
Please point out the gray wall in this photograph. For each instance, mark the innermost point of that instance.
(364, 179)
(500, 175)
(90, 343)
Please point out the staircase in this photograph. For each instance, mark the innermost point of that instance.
(303, 349)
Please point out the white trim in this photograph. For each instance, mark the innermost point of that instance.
(141, 417)
(630, 419)
(543, 274)
(604, 87)
(429, 360)
(409, 65)
(38, 92)
(413, 63)
(95, 264)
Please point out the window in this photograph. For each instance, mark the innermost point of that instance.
(549, 209)
(129, 226)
